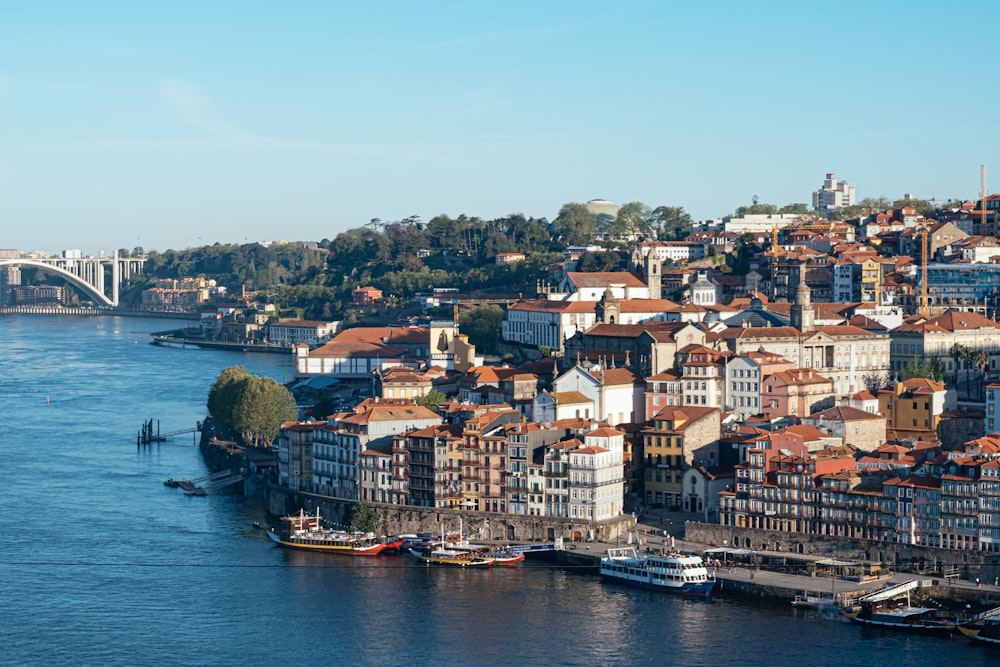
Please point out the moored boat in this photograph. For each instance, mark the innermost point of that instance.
(891, 608)
(506, 557)
(672, 572)
(985, 629)
(814, 602)
(307, 533)
(444, 554)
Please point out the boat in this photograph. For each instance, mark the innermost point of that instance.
(670, 571)
(171, 482)
(455, 551)
(814, 602)
(984, 629)
(195, 491)
(445, 554)
(307, 533)
(506, 557)
(891, 608)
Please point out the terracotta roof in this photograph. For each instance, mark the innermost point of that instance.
(844, 413)
(604, 279)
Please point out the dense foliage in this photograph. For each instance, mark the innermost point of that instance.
(251, 405)
(403, 258)
(364, 518)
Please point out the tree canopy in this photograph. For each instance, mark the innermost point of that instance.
(482, 326)
(364, 518)
(575, 224)
(253, 406)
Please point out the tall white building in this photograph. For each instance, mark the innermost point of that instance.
(833, 195)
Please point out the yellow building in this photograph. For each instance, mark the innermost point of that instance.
(912, 409)
(679, 438)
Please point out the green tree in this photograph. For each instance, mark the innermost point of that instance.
(482, 326)
(957, 352)
(431, 399)
(633, 219)
(981, 359)
(607, 260)
(225, 392)
(261, 406)
(670, 222)
(801, 209)
(364, 518)
(756, 209)
(924, 207)
(866, 206)
(575, 224)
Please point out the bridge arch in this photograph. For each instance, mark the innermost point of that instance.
(87, 288)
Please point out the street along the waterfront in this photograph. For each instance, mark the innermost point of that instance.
(104, 565)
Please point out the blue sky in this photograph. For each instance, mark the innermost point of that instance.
(176, 124)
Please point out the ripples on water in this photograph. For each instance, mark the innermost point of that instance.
(104, 565)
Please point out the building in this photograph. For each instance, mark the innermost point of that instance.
(832, 195)
(913, 408)
(295, 332)
(938, 337)
(339, 442)
(861, 429)
(678, 439)
(797, 392)
(356, 353)
(743, 381)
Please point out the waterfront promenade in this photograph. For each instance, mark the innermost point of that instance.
(743, 578)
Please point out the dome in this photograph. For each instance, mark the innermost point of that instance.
(756, 304)
(712, 317)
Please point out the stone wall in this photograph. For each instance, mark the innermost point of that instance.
(970, 564)
(403, 519)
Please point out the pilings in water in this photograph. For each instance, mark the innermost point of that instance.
(146, 435)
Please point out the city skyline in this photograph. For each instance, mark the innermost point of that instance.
(169, 126)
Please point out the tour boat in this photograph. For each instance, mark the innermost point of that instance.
(891, 608)
(672, 571)
(446, 554)
(985, 629)
(506, 557)
(307, 533)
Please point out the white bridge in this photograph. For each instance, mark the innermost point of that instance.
(90, 274)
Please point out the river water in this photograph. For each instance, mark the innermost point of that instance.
(102, 564)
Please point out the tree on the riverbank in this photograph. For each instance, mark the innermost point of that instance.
(251, 405)
(364, 518)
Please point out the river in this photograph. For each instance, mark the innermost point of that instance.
(104, 565)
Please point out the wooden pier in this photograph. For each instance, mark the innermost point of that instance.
(148, 435)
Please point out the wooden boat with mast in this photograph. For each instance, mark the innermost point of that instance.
(984, 629)
(307, 533)
(891, 608)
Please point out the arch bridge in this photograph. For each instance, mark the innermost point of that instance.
(87, 273)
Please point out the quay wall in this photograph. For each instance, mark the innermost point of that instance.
(969, 564)
(402, 519)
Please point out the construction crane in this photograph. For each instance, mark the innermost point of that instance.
(982, 201)
(925, 309)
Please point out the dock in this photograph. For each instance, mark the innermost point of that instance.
(201, 485)
(148, 435)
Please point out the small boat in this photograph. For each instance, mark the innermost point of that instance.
(443, 555)
(984, 629)
(891, 608)
(171, 482)
(506, 557)
(195, 491)
(669, 571)
(258, 525)
(307, 533)
(814, 602)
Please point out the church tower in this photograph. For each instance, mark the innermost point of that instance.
(802, 311)
(653, 269)
(608, 309)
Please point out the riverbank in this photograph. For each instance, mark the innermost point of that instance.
(177, 340)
